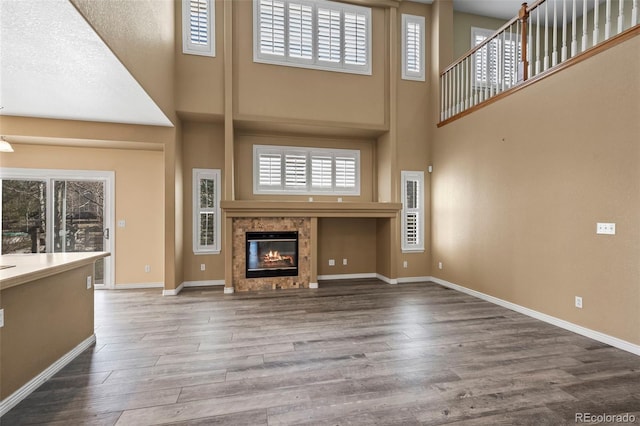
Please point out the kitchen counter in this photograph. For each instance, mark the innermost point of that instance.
(23, 268)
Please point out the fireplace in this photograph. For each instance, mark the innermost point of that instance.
(271, 254)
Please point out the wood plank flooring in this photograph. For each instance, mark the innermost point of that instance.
(348, 353)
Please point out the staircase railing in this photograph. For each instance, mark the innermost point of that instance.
(542, 36)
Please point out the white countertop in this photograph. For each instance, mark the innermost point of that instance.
(29, 267)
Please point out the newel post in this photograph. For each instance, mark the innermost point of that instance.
(523, 16)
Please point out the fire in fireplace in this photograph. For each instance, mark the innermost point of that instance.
(272, 254)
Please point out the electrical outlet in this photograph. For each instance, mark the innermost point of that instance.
(344, 262)
(578, 302)
(1, 318)
(88, 282)
(332, 262)
(606, 228)
(202, 267)
(405, 264)
(147, 268)
(122, 223)
(439, 265)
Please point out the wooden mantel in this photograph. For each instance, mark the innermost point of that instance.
(255, 208)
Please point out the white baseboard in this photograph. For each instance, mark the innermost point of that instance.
(386, 280)
(228, 290)
(134, 286)
(587, 332)
(173, 292)
(313, 285)
(346, 276)
(204, 283)
(14, 399)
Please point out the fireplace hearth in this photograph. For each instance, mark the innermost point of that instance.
(271, 254)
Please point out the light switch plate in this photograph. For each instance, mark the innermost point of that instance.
(1, 317)
(332, 262)
(88, 282)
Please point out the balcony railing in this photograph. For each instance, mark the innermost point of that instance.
(542, 36)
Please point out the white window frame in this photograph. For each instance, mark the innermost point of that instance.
(418, 176)
(189, 47)
(406, 73)
(500, 73)
(310, 154)
(314, 62)
(198, 175)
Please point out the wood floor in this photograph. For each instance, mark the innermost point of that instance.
(361, 352)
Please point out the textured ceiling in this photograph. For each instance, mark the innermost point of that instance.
(503, 9)
(54, 65)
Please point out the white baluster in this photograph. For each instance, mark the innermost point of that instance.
(554, 58)
(538, 41)
(620, 16)
(634, 13)
(596, 24)
(574, 31)
(585, 38)
(563, 49)
(442, 96)
(530, 49)
(546, 36)
(457, 87)
(607, 23)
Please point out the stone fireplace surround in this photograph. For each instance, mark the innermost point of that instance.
(240, 216)
(271, 224)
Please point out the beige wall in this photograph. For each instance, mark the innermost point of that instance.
(200, 79)
(202, 147)
(519, 185)
(351, 239)
(48, 318)
(282, 93)
(244, 164)
(139, 200)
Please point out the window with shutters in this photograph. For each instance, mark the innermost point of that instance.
(497, 61)
(206, 211)
(198, 36)
(413, 43)
(294, 170)
(313, 34)
(412, 211)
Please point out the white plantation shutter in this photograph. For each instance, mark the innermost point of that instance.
(272, 27)
(206, 211)
(295, 171)
(345, 172)
(412, 211)
(315, 34)
(329, 37)
(321, 172)
(355, 38)
(300, 31)
(495, 62)
(413, 65)
(197, 27)
(270, 170)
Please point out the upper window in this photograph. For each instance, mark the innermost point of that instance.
(291, 170)
(198, 36)
(412, 211)
(313, 34)
(497, 61)
(206, 211)
(413, 47)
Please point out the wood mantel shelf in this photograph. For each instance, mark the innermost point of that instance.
(252, 208)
